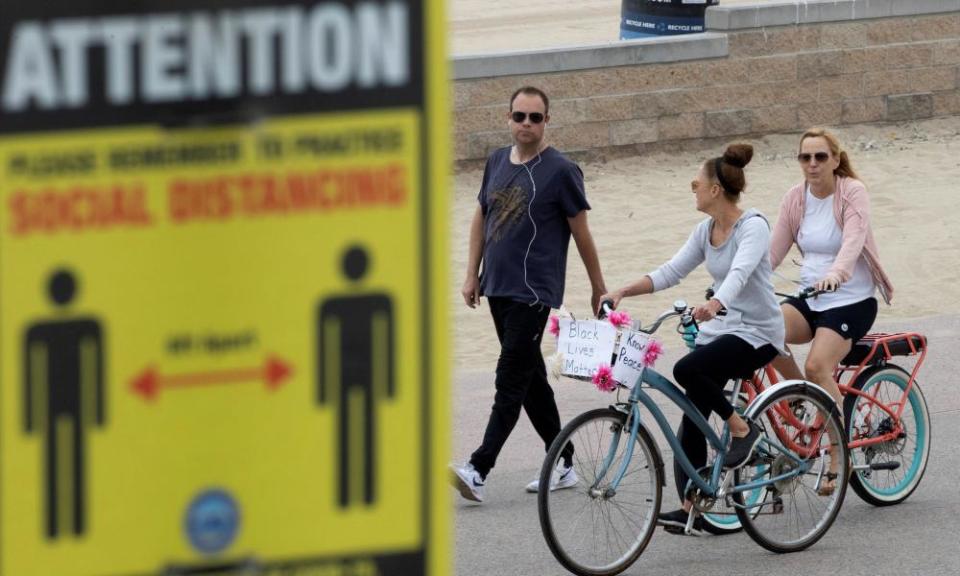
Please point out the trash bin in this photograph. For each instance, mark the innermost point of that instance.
(644, 18)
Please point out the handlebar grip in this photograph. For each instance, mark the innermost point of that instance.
(708, 294)
(606, 307)
(811, 292)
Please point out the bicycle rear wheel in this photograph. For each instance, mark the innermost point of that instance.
(594, 528)
(803, 442)
(887, 473)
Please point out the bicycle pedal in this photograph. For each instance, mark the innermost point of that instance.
(678, 531)
(884, 465)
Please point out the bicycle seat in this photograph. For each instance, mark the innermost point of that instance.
(881, 346)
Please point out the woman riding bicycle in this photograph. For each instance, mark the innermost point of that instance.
(734, 243)
(827, 216)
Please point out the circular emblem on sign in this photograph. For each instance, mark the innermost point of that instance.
(844, 327)
(212, 521)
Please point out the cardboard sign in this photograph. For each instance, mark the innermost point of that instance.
(631, 349)
(584, 345)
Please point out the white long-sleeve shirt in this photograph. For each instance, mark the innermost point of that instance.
(741, 272)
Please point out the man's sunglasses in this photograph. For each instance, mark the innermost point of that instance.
(519, 117)
(806, 157)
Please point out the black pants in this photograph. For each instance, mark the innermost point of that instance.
(703, 373)
(521, 381)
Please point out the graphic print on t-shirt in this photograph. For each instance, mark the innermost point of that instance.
(506, 210)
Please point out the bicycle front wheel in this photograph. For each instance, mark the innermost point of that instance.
(602, 524)
(802, 463)
(887, 473)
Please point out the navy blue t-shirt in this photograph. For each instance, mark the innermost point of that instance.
(526, 233)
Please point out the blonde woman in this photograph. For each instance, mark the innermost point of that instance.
(827, 215)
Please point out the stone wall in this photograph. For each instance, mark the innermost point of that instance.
(779, 67)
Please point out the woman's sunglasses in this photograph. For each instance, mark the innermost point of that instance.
(519, 117)
(805, 157)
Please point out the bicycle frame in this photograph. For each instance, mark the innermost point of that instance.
(638, 397)
(880, 344)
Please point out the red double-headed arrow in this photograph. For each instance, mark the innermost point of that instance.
(273, 373)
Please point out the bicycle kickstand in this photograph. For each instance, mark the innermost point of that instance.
(688, 529)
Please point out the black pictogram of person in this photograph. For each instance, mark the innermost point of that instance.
(355, 371)
(64, 396)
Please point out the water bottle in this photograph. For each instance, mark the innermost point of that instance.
(690, 330)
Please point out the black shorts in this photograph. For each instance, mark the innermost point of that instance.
(852, 321)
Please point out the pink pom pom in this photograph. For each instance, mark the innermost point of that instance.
(555, 326)
(619, 319)
(652, 351)
(603, 379)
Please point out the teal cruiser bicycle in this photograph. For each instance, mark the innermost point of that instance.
(603, 524)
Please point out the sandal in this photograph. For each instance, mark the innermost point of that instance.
(829, 485)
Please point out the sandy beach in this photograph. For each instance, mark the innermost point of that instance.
(643, 211)
(486, 26)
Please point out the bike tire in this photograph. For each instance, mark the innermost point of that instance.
(881, 487)
(573, 520)
(794, 514)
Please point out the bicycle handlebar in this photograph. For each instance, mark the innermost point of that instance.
(680, 308)
(804, 293)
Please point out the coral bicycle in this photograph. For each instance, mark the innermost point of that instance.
(886, 420)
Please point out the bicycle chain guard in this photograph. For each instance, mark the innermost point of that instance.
(701, 502)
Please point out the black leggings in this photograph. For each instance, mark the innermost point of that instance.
(703, 373)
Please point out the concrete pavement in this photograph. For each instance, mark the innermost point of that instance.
(920, 536)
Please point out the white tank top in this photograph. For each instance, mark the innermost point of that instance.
(819, 240)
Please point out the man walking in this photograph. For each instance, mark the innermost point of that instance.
(531, 201)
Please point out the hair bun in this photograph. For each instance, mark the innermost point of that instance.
(738, 155)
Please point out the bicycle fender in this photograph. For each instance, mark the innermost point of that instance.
(804, 386)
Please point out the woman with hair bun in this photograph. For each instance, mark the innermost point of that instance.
(735, 245)
(827, 216)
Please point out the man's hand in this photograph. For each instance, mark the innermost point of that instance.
(471, 291)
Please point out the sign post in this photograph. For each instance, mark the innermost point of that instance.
(222, 277)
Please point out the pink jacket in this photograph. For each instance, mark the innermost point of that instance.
(851, 206)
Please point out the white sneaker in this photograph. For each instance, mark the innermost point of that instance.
(468, 481)
(563, 477)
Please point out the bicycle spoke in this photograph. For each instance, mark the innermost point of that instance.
(618, 521)
(796, 509)
(906, 443)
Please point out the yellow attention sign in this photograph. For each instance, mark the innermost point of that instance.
(221, 313)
